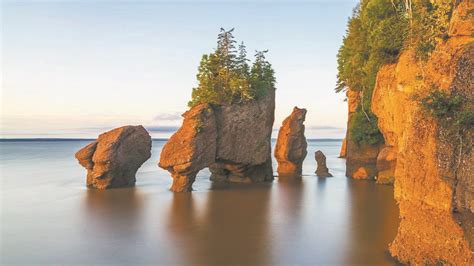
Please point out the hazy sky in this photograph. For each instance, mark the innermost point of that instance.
(77, 68)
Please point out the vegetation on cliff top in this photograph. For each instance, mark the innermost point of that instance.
(226, 77)
(377, 33)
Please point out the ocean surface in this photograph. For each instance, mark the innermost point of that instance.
(49, 217)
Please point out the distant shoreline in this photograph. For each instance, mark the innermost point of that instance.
(91, 139)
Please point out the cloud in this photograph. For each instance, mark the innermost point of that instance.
(176, 116)
(321, 128)
(162, 129)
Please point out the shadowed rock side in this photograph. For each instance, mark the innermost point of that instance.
(361, 159)
(434, 181)
(342, 153)
(322, 170)
(244, 141)
(191, 148)
(233, 141)
(386, 163)
(290, 149)
(114, 158)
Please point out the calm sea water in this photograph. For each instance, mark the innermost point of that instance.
(49, 217)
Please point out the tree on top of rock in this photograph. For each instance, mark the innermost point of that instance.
(225, 76)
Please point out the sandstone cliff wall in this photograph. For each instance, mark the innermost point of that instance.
(434, 182)
(361, 159)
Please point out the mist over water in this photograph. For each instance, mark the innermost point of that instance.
(48, 216)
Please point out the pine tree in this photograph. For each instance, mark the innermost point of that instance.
(225, 76)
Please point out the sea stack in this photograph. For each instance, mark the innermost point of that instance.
(232, 140)
(322, 170)
(114, 158)
(290, 150)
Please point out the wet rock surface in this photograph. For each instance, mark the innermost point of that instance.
(290, 149)
(114, 158)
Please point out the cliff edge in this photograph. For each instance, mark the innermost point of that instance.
(434, 178)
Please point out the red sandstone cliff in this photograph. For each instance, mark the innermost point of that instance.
(434, 182)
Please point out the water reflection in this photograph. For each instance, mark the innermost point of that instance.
(50, 218)
(112, 224)
(232, 226)
(374, 222)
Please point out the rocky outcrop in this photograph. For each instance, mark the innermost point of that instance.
(386, 163)
(192, 148)
(322, 170)
(290, 149)
(114, 158)
(434, 176)
(342, 153)
(361, 159)
(233, 141)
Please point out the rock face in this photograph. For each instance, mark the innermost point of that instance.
(342, 153)
(361, 159)
(114, 158)
(233, 141)
(434, 182)
(322, 170)
(386, 163)
(191, 148)
(290, 149)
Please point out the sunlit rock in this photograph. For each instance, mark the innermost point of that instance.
(290, 149)
(232, 140)
(114, 158)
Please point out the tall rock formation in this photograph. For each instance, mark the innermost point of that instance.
(322, 170)
(361, 159)
(114, 158)
(233, 141)
(192, 148)
(434, 176)
(290, 149)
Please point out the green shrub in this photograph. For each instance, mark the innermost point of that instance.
(364, 131)
(449, 110)
(429, 25)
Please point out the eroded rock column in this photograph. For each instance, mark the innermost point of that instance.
(191, 148)
(114, 158)
(290, 150)
(322, 170)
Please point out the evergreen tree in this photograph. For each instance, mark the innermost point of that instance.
(225, 76)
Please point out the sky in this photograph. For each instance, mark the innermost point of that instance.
(74, 69)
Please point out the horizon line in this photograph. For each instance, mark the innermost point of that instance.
(156, 139)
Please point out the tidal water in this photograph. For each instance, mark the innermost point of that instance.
(49, 217)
